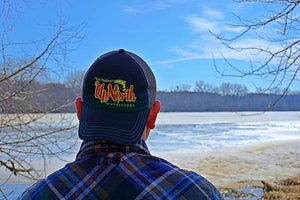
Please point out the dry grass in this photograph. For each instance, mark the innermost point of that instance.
(288, 189)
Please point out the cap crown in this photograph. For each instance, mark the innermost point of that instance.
(119, 81)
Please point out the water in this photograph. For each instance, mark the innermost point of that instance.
(215, 136)
(187, 132)
(212, 131)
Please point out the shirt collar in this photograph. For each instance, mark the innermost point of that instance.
(102, 146)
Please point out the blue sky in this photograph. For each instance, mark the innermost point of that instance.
(172, 36)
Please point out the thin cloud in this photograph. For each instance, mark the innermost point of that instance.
(205, 44)
(209, 49)
(161, 5)
(213, 14)
(234, 29)
(151, 6)
(211, 20)
(185, 54)
(178, 60)
(131, 10)
(199, 24)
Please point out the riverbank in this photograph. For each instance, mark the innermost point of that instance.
(233, 169)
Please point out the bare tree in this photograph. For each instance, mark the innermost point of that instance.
(182, 88)
(27, 130)
(201, 86)
(74, 81)
(279, 29)
(226, 89)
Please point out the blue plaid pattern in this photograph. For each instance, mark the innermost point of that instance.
(105, 170)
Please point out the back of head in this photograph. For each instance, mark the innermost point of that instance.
(118, 91)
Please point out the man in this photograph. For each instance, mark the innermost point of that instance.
(116, 112)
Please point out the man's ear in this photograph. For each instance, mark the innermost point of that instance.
(153, 114)
(78, 107)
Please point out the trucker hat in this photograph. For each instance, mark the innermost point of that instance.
(118, 92)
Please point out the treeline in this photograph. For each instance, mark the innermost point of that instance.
(227, 97)
(36, 98)
(58, 97)
(199, 102)
(231, 89)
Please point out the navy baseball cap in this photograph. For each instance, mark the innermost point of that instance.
(118, 92)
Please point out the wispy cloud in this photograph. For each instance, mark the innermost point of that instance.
(200, 24)
(150, 6)
(211, 48)
(234, 29)
(131, 10)
(212, 20)
(178, 60)
(212, 13)
(183, 53)
(206, 46)
(161, 5)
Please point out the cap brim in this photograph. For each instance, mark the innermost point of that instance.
(120, 127)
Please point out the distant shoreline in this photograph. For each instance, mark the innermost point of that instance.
(210, 102)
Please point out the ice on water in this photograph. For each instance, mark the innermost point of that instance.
(211, 131)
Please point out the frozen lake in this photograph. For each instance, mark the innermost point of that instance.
(211, 131)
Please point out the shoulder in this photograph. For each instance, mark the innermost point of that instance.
(180, 183)
(45, 188)
(194, 186)
(34, 191)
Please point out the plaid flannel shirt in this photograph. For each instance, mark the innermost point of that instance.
(110, 171)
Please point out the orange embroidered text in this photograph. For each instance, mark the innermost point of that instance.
(113, 92)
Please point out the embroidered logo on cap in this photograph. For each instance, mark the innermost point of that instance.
(114, 92)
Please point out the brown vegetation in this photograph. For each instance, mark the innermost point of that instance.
(288, 189)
